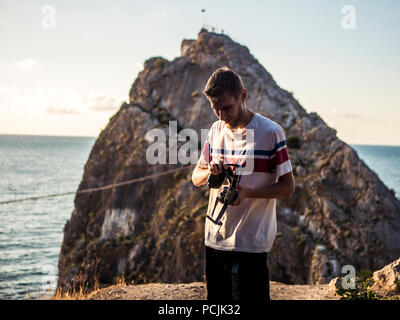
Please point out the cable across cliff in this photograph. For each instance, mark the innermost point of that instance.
(110, 186)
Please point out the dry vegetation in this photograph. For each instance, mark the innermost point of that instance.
(191, 291)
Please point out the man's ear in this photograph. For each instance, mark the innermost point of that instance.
(244, 95)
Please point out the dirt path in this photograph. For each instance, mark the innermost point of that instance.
(197, 291)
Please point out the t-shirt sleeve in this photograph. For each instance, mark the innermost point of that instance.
(282, 161)
(205, 156)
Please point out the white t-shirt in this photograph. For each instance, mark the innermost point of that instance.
(261, 148)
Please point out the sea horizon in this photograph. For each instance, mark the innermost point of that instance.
(72, 136)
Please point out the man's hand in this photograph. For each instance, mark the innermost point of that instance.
(202, 171)
(242, 194)
(215, 168)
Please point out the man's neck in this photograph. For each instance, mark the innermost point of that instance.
(247, 116)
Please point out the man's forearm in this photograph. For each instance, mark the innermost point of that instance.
(200, 176)
(275, 191)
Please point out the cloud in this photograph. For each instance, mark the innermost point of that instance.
(353, 115)
(55, 110)
(64, 100)
(53, 100)
(102, 103)
(24, 65)
(10, 90)
(364, 118)
(338, 116)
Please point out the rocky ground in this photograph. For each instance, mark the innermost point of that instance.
(384, 282)
(197, 291)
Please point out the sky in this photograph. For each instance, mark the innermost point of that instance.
(67, 66)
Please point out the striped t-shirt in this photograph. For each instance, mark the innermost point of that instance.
(260, 148)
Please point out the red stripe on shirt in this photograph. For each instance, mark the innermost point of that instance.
(282, 156)
(266, 165)
(206, 154)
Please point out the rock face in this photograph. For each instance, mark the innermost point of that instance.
(340, 214)
(387, 279)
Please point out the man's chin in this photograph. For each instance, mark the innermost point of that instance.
(230, 124)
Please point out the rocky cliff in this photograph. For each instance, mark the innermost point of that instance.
(152, 231)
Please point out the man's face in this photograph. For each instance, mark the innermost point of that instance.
(227, 109)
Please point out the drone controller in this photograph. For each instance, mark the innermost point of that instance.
(228, 194)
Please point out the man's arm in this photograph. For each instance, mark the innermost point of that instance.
(284, 188)
(202, 171)
(200, 175)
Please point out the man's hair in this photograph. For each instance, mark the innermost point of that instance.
(223, 80)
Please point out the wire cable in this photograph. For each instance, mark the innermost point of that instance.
(110, 186)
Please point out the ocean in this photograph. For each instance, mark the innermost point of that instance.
(31, 232)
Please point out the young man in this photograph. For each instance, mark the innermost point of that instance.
(236, 251)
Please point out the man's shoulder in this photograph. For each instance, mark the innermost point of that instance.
(266, 124)
(216, 126)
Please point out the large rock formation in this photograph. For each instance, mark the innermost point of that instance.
(387, 279)
(384, 282)
(340, 214)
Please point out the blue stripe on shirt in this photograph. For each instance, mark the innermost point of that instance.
(256, 152)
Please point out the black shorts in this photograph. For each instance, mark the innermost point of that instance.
(235, 275)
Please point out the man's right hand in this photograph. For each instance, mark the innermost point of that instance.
(201, 172)
(215, 168)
